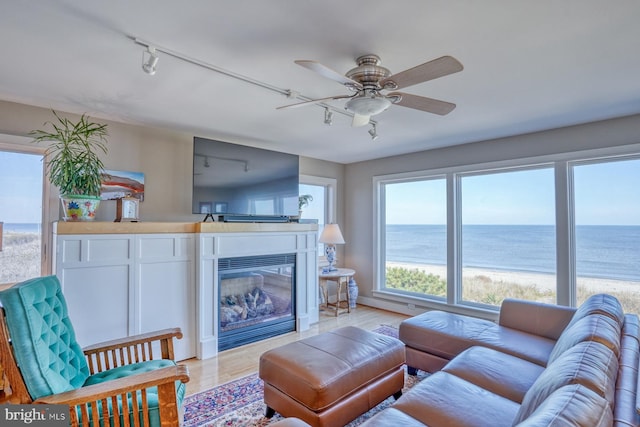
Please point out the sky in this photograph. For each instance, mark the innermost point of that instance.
(21, 179)
(605, 194)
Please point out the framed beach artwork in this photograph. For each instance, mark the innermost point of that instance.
(119, 184)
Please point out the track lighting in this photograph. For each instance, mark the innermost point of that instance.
(149, 65)
(328, 116)
(373, 132)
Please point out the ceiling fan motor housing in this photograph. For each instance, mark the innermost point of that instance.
(368, 72)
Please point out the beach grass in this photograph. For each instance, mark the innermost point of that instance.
(20, 256)
(484, 289)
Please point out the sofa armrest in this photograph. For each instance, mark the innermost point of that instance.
(546, 320)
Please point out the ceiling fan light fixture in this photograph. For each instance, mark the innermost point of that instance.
(367, 106)
(150, 64)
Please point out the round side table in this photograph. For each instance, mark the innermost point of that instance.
(341, 276)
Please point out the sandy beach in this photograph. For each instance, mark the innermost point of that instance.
(539, 280)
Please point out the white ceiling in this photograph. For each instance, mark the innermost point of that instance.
(529, 65)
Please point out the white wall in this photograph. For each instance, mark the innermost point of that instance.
(359, 202)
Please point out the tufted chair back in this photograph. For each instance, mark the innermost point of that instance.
(36, 312)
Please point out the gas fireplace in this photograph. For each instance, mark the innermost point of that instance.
(256, 298)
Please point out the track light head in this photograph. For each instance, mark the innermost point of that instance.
(328, 116)
(373, 132)
(149, 65)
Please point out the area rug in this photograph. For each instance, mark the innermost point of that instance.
(239, 402)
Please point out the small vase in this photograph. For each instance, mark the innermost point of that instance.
(353, 293)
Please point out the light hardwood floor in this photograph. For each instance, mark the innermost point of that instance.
(242, 361)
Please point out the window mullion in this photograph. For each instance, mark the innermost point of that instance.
(454, 286)
(565, 239)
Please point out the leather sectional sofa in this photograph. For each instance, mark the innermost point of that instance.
(540, 365)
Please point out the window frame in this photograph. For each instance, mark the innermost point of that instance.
(19, 144)
(330, 197)
(564, 212)
(330, 185)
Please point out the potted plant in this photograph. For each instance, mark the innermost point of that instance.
(303, 200)
(73, 163)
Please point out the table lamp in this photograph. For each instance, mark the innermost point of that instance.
(331, 236)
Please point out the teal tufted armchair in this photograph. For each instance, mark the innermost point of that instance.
(130, 381)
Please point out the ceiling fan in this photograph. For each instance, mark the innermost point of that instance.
(368, 81)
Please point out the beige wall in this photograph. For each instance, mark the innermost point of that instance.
(359, 202)
(164, 156)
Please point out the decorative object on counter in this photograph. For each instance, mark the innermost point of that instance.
(331, 236)
(116, 184)
(353, 293)
(73, 163)
(127, 209)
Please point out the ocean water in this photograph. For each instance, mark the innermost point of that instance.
(611, 252)
(22, 227)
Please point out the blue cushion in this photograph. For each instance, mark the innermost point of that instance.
(152, 393)
(44, 343)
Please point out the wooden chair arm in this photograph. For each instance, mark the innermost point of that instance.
(133, 349)
(135, 382)
(92, 402)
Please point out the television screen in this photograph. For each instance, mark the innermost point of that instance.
(237, 180)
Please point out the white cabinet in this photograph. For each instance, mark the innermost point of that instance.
(122, 279)
(124, 284)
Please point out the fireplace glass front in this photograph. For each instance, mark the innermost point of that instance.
(257, 298)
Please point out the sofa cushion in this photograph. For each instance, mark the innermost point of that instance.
(392, 417)
(594, 327)
(571, 406)
(152, 392)
(491, 370)
(447, 335)
(603, 304)
(444, 400)
(588, 363)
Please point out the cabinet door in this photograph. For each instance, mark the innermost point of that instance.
(95, 272)
(166, 289)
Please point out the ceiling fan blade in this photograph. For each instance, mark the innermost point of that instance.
(421, 73)
(329, 73)
(360, 120)
(422, 103)
(314, 101)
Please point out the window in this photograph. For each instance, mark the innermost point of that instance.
(607, 230)
(21, 212)
(322, 205)
(415, 239)
(508, 236)
(554, 229)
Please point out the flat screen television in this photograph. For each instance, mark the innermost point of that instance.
(241, 183)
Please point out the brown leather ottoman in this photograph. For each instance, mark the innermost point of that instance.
(332, 378)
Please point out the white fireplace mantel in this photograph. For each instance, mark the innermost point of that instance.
(263, 239)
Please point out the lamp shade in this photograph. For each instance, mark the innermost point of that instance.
(331, 234)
